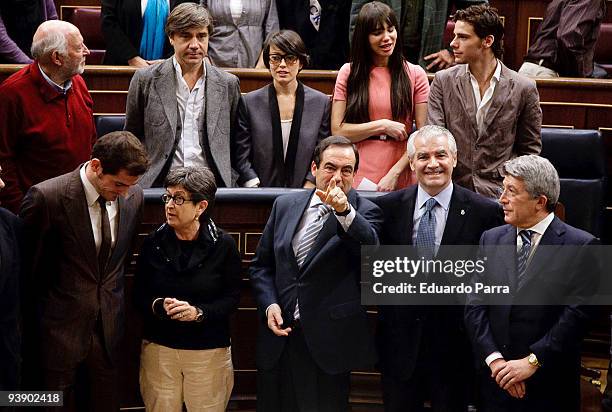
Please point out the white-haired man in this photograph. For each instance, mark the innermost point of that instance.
(424, 350)
(46, 113)
(528, 344)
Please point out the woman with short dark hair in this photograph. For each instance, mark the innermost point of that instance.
(377, 97)
(187, 285)
(280, 124)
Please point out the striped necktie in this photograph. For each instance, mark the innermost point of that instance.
(311, 233)
(523, 253)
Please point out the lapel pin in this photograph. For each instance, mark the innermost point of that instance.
(462, 212)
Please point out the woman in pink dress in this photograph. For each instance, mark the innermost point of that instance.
(377, 97)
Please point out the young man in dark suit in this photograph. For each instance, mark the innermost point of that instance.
(528, 344)
(423, 350)
(305, 277)
(80, 228)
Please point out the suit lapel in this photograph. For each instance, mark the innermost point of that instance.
(458, 212)
(214, 94)
(165, 86)
(503, 89)
(466, 96)
(405, 218)
(552, 236)
(299, 205)
(75, 206)
(125, 217)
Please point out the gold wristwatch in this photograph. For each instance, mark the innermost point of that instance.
(533, 360)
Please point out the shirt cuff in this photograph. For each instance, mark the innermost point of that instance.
(252, 183)
(494, 356)
(269, 306)
(346, 221)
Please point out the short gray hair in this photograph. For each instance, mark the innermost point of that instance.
(198, 181)
(429, 132)
(53, 40)
(187, 16)
(538, 174)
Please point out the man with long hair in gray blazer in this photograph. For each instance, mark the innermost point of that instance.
(79, 230)
(183, 109)
(493, 112)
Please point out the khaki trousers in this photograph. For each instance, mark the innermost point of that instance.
(203, 379)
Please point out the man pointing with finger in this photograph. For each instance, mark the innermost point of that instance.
(305, 277)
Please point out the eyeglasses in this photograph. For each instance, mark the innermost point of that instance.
(289, 59)
(178, 199)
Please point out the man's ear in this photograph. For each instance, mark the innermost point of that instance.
(488, 41)
(95, 165)
(313, 168)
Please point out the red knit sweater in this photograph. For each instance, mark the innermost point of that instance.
(43, 133)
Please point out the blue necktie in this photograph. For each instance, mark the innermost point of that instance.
(311, 233)
(426, 235)
(523, 253)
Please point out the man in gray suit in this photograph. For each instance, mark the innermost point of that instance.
(493, 112)
(79, 228)
(183, 109)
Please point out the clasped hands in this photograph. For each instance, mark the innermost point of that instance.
(334, 197)
(511, 375)
(180, 310)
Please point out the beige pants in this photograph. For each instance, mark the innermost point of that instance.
(203, 379)
(535, 70)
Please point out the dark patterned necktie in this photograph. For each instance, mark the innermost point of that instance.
(523, 253)
(105, 232)
(426, 235)
(310, 236)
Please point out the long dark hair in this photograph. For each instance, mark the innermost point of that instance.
(372, 17)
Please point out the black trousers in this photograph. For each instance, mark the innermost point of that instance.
(297, 384)
(446, 384)
(93, 386)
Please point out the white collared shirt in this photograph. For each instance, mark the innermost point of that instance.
(482, 105)
(440, 211)
(538, 229)
(62, 89)
(92, 195)
(307, 219)
(190, 103)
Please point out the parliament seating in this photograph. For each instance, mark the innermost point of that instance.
(578, 156)
(107, 124)
(88, 19)
(603, 48)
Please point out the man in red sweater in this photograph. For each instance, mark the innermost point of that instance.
(46, 113)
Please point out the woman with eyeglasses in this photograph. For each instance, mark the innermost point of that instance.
(187, 285)
(377, 97)
(280, 124)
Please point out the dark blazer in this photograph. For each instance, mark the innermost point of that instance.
(256, 147)
(512, 125)
(64, 279)
(552, 331)
(10, 275)
(400, 328)
(209, 280)
(122, 30)
(152, 115)
(334, 322)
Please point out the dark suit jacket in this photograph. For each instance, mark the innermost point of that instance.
(400, 328)
(254, 137)
(10, 271)
(122, 30)
(334, 322)
(552, 331)
(152, 115)
(64, 269)
(512, 125)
